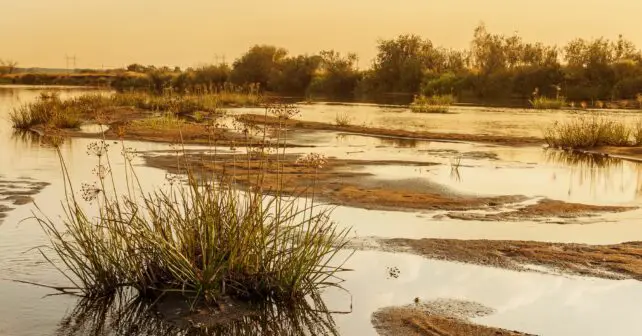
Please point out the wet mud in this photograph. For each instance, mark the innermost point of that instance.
(17, 192)
(547, 210)
(338, 182)
(312, 125)
(615, 262)
(436, 318)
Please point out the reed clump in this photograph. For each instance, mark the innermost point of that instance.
(595, 130)
(48, 109)
(343, 119)
(432, 104)
(201, 236)
(545, 103)
(51, 110)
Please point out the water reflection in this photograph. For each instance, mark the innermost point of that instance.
(398, 142)
(581, 160)
(136, 317)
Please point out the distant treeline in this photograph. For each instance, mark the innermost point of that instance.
(495, 68)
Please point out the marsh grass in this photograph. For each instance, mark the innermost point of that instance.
(432, 104)
(588, 131)
(205, 239)
(545, 103)
(51, 110)
(343, 119)
(48, 109)
(166, 121)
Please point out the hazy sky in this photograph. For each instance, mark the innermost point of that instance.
(114, 33)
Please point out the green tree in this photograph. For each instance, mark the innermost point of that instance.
(294, 74)
(401, 63)
(257, 65)
(337, 75)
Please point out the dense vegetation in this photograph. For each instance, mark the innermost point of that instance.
(50, 110)
(496, 68)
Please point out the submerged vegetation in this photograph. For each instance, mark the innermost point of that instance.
(201, 236)
(595, 130)
(432, 104)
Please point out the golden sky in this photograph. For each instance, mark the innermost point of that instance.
(114, 33)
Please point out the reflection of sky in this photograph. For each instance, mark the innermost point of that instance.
(530, 302)
(543, 304)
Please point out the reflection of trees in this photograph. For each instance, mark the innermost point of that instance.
(399, 142)
(31, 138)
(592, 168)
(120, 316)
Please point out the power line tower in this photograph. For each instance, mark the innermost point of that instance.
(72, 60)
(219, 59)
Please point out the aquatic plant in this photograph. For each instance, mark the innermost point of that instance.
(636, 133)
(164, 122)
(48, 110)
(206, 239)
(588, 131)
(52, 111)
(342, 119)
(545, 103)
(432, 104)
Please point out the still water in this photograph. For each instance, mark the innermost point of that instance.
(529, 302)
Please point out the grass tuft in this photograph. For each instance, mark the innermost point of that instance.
(50, 110)
(205, 239)
(544, 103)
(589, 131)
(343, 119)
(432, 104)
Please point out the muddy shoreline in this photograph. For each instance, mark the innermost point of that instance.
(339, 182)
(312, 125)
(436, 318)
(613, 262)
(544, 210)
